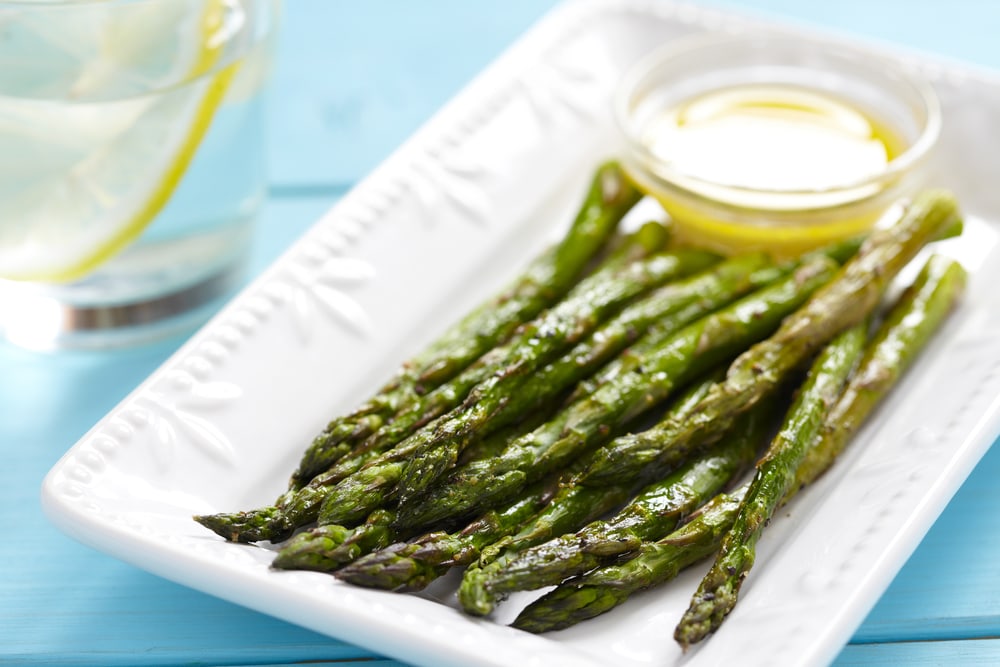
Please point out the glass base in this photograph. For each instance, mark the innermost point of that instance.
(34, 317)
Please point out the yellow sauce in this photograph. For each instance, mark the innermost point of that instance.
(769, 167)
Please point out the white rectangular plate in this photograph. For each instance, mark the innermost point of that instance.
(441, 225)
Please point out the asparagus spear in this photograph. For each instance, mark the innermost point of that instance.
(603, 589)
(591, 301)
(546, 279)
(421, 409)
(595, 299)
(716, 595)
(846, 301)
(665, 310)
(506, 396)
(575, 506)
(497, 440)
(368, 477)
(412, 566)
(327, 548)
(623, 248)
(610, 197)
(656, 511)
(587, 423)
(917, 314)
(627, 362)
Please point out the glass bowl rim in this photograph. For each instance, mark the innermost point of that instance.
(691, 44)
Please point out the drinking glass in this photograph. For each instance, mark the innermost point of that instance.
(131, 163)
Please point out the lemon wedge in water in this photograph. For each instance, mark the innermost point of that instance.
(95, 149)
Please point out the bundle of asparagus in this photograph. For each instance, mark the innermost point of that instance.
(519, 443)
(815, 432)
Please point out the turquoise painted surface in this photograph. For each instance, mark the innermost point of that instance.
(352, 81)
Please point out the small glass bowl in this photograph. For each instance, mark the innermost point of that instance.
(731, 218)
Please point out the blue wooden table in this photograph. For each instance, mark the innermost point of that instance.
(353, 80)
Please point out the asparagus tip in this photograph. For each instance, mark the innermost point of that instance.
(223, 525)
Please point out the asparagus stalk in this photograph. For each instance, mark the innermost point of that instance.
(845, 302)
(589, 422)
(665, 310)
(628, 361)
(917, 314)
(497, 440)
(546, 279)
(504, 397)
(592, 301)
(595, 298)
(327, 548)
(504, 370)
(414, 565)
(603, 589)
(716, 595)
(610, 196)
(656, 511)
(410, 566)
(622, 248)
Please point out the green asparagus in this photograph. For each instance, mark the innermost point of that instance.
(547, 278)
(913, 319)
(566, 324)
(627, 362)
(594, 299)
(413, 566)
(587, 423)
(591, 301)
(846, 301)
(666, 310)
(603, 589)
(326, 548)
(917, 314)
(656, 511)
(410, 566)
(717, 594)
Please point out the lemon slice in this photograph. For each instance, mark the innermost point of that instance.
(79, 180)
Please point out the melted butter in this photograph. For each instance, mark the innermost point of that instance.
(771, 138)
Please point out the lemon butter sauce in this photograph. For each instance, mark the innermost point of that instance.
(769, 143)
(771, 138)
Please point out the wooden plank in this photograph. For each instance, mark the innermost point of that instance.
(948, 588)
(983, 652)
